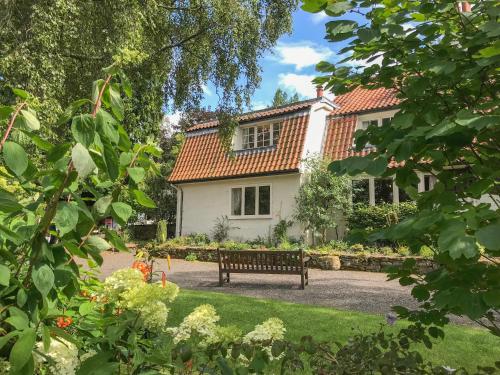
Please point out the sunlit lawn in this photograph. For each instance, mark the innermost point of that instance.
(462, 346)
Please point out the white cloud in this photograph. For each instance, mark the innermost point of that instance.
(206, 90)
(319, 17)
(300, 83)
(256, 105)
(173, 118)
(301, 54)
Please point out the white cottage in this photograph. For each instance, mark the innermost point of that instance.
(255, 185)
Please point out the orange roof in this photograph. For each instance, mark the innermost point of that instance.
(362, 100)
(203, 157)
(261, 114)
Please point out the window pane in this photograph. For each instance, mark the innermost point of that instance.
(360, 191)
(386, 121)
(236, 201)
(264, 200)
(263, 136)
(374, 122)
(276, 133)
(383, 190)
(250, 200)
(248, 138)
(365, 124)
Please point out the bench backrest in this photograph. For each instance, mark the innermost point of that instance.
(261, 261)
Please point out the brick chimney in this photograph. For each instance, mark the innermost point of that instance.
(319, 91)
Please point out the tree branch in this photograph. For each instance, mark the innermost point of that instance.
(179, 43)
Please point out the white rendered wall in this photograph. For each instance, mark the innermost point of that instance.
(204, 202)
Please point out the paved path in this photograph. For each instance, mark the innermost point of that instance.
(347, 290)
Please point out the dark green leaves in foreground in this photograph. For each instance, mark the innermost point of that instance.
(15, 157)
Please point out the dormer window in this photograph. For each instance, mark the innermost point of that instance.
(260, 136)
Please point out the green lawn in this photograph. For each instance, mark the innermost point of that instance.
(462, 346)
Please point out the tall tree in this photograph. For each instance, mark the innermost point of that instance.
(442, 59)
(53, 48)
(281, 97)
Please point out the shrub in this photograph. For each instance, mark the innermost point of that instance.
(338, 245)
(280, 229)
(221, 229)
(191, 257)
(403, 251)
(364, 216)
(198, 239)
(161, 231)
(357, 248)
(386, 250)
(233, 245)
(426, 251)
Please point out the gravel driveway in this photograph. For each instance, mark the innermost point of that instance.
(347, 290)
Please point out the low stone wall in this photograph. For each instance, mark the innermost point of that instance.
(362, 262)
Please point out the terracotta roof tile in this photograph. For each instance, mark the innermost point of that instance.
(202, 156)
(363, 100)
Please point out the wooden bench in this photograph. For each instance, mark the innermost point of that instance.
(263, 262)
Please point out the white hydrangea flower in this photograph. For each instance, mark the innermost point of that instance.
(63, 355)
(271, 330)
(149, 300)
(121, 281)
(229, 334)
(201, 321)
(4, 367)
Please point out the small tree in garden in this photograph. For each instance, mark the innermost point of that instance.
(323, 199)
(442, 59)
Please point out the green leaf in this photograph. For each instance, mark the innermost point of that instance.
(97, 243)
(57, 152)
(83, 129)
(43, 278)
(20, 353)
(489, 236)
(111, 159)
(313, 6)
(137, 174)
(115, 240)
(86, 308)
(18, 319)
(106, 126)
(5, 339)
(98, 364)
(121, 211)
(126, 86)
(456, 242)
(30, 120)
(15, 157)
(82, 160)
(8, 202)
(143, 199)
(403, 121)
(116, 102)
(20, 93)
(337, 8)
(377, 167)
(4, 275)
(66, 217)
(5, 112)
(102, 205)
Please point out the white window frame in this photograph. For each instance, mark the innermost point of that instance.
(395, 188)
(254, 127)
(256, 216)
(377, 116)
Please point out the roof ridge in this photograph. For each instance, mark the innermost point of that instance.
(259, 110)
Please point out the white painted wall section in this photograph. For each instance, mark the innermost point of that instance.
(316, 129)
(204, 202)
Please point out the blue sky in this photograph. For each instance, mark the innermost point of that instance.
(291, 65)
